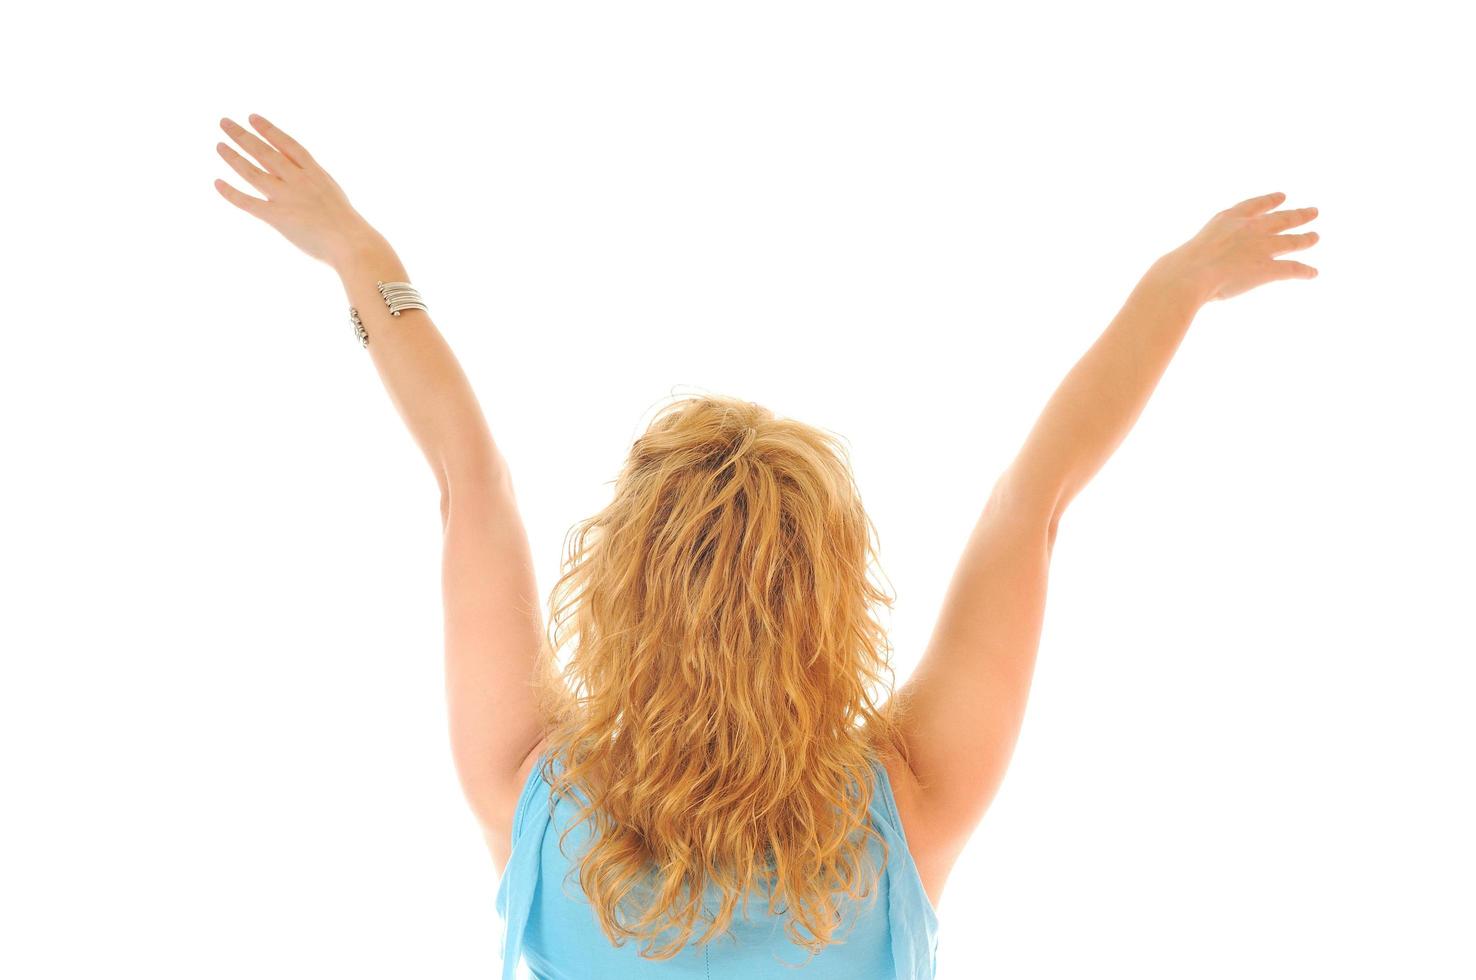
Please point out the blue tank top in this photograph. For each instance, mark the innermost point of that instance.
(555, 932)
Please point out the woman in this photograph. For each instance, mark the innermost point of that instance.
(710, 773)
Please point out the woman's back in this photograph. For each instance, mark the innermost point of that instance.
(549, 923)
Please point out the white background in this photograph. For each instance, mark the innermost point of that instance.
(1248, 751)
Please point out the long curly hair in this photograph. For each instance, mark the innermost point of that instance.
(719, 709)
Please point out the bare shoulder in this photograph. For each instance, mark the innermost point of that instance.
(932, 860)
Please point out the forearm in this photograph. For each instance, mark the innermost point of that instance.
(419, 371)
(1100, 399)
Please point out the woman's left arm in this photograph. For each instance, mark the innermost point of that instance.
(493, 627)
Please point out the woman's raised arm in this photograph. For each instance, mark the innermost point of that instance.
(963, 706)
(493, 627)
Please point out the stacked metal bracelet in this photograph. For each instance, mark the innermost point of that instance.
(400, 296)
(397, 296)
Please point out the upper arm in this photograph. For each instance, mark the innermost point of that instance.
(963, 706)
(494, 636)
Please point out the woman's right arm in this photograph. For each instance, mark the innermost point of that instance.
(962, 708)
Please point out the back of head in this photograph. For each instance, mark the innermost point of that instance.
(718, 707)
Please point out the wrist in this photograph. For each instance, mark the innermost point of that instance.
(1177, 280)
(361, 246)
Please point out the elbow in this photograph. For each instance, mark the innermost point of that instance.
(472, 485)
(1036, 506)
(443, 483)
(1058, 506)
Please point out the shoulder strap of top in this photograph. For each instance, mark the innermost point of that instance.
(914, 922)
(520, 877)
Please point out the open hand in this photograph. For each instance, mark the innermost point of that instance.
(302, 201)
(1236, 250)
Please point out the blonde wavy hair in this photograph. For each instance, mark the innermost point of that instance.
(718, 709)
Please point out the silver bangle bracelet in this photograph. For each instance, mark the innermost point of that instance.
(359, 330)
(400, 296)
(397, 296)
